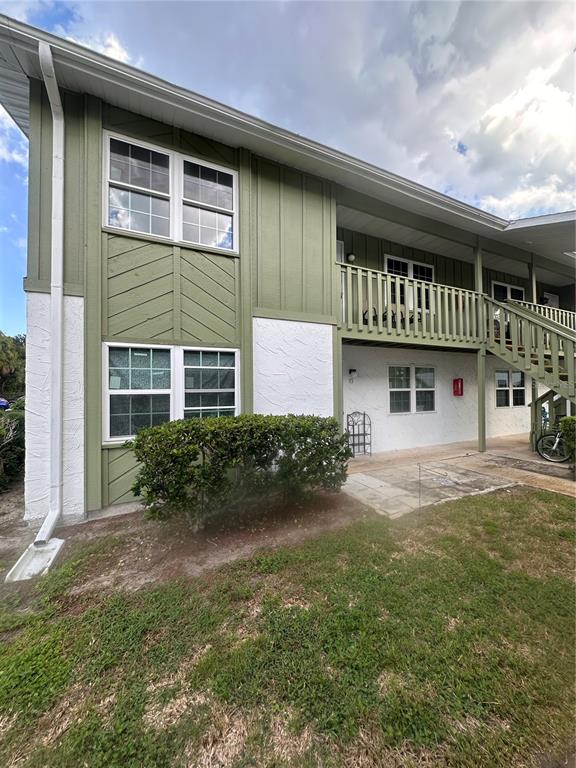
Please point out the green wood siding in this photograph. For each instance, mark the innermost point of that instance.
(138, 127)
(293, 253)
(566, 294)
(119, 473)
(160, 292)
(371, 252)
(40, 191)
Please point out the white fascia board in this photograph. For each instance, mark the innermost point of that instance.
(539, 221)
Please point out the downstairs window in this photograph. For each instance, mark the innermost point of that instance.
(147, 386)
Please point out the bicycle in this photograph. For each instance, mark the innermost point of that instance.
(552, 447)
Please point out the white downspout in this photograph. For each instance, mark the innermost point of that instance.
(56, 295)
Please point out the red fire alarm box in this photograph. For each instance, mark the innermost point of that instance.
(457, 387)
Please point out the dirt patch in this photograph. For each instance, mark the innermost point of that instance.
(161, 551)
(15, 534)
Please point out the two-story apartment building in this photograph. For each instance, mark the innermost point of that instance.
(187, 260)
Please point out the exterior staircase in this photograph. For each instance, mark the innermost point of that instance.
(531, 342)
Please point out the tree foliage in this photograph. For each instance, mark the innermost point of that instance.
(11, 444)
(12, 365)
(568, 429)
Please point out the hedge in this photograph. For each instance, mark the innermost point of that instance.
(199, 467)
(568, 429)
(11, 444)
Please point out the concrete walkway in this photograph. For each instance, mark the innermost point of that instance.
(398, 482)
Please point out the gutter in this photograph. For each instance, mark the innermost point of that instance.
(39, 556)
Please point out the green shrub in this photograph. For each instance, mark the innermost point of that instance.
(568, 429)
(11, 444)
(199, 467)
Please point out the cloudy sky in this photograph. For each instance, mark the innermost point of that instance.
(474, 99)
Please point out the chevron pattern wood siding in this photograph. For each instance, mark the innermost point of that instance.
(140, 289)
(119, 473)
(208, 296)
(161, 292)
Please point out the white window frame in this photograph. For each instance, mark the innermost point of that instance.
(179, 352)
(412, 389)
(510, 388)
(424, 389)
(508, 286)
(411, 265)
(175, 196)
(176, 390)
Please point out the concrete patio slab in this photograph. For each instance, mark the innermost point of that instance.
(399, 482)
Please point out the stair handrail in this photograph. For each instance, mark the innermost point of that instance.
(545, 310)
(553, 323)
(533, 345)
(549, 325)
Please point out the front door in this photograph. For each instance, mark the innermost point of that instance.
(551, 300)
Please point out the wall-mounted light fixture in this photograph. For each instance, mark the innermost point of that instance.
(352, 375)
(350, 257)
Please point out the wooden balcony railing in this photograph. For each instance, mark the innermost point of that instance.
(377, 303)
(561, 316)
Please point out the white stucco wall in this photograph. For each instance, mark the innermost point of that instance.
(455, 418)
(37, 480)
(293, 367)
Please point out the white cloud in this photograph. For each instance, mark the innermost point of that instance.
(473, 99)
(549, 195)
(106, 43)
(13, 145)
(18, 10)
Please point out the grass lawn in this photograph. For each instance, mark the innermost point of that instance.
(441, 639)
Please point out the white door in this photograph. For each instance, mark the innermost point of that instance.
(553, 300)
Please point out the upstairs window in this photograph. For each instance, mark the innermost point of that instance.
(166, 194)
(138, 189)
(208, 206)
(412, 270)
(506, 292)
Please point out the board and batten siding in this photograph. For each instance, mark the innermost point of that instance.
(371, 252)
(40, 191)
(294, 243)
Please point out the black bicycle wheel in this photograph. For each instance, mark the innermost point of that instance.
(552, 448)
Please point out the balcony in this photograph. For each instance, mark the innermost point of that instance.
(378, 305)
